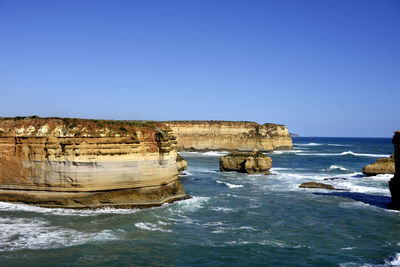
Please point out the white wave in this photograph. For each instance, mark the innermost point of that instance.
(393, 261)
(336, 145)
(222, 229)
(380, 177)
(34, 233)
(362, 189)
(215, 153)
(352, 175)
(222, 209)
(192, 204)
(213, 224)
(229, 185)
(279, 169)
(345, 153)
(309, 144)
(4, 206)
(287, 151)
(151, 227)
(247, 228)
(207, 154)
(337, 167)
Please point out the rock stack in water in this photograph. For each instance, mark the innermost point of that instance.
(394, 183)
(244, 162)
(76, 163)
(381, 166)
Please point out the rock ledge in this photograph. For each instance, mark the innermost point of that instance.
(381, 166)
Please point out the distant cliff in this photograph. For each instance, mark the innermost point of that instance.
(76, 163)
(230, 135)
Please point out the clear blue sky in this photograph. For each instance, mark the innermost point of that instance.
(323, 68)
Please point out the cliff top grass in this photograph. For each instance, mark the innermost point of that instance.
(221, 122)
(17, 126)
(256, 154)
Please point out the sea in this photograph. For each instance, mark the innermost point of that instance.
(232, 219)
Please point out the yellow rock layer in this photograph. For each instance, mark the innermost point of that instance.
(230, 135)
(87, 163)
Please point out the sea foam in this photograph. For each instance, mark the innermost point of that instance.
(345, 153)
(229, 185)
(4, 206)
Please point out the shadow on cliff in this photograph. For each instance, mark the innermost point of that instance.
(374, 200)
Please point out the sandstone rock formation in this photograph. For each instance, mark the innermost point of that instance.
(394, 183)
(381, 166)
(230, 135)
(316, 185)
(76, 163)
(182, 163)
(254, 162)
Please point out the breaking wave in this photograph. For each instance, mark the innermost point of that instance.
(337, 167)
(229, 185)
(346, 153)
(4, 206)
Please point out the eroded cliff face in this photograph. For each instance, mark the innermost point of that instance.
(394, 183)
(75, 163)
(230, 135)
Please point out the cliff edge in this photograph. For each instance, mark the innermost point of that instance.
(78, 163)
(230, 135)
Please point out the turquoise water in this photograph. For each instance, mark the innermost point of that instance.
(232, 220)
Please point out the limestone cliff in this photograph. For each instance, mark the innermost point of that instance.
(76, 163)
(230, 135)
(394, 183)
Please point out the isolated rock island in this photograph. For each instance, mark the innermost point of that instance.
(251, 163)
(78, 163)
(381, 166)
(230, 135)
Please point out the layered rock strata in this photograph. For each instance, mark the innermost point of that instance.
(230, 135)
(76, 163)
(394, 183)
(381, 166)
(182, 163)
(251, 163)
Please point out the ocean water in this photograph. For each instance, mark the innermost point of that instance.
(232, 220)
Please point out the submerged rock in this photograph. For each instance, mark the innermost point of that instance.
(245, 162)
(316, 185)
(334, 178)
(381, 166)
